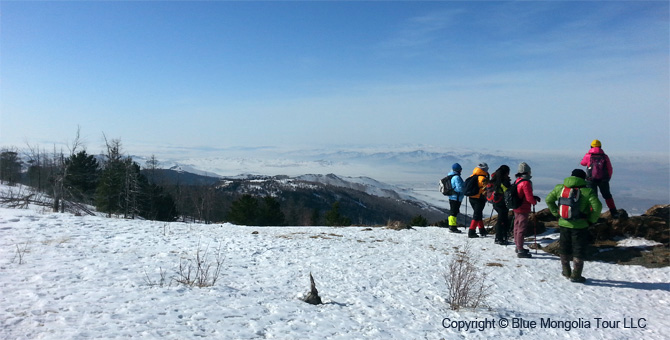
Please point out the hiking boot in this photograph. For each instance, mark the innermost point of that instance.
(565, 264)
(522, 251)
(576, 275)
(483, 232)
(472, 233)
(523, 255)
(454, 230)
(503, 242)
(614, 213)
(579, 279)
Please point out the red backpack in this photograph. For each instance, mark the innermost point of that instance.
(568, 204)
(491, 194)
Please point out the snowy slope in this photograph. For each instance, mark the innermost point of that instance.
(364, 184)
(89, 277)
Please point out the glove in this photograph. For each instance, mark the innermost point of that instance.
(537, 198)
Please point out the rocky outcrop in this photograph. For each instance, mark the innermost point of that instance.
(653, 225)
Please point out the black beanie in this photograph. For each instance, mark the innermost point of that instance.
(579, 173)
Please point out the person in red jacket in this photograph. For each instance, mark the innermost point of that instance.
(524, 188)
(598, 174)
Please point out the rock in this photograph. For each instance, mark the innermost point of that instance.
(662, 211)
(313, 296)
(398, 225)
(652, 225)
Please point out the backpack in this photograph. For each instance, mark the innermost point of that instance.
(445, 186)
(568, 204)
(471, 186)
(512, 199)
(492, 195)
(598, 167)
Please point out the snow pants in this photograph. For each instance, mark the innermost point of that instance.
(502, 225)
(521, 223)
(478, 205)
(603, 185)
(454, 207)
(573, 242)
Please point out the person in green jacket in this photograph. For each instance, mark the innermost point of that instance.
(574, 220)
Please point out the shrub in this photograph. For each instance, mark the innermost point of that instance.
(466, 282)
(200, 272)
(419, 221)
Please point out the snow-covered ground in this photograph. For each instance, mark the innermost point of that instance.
(69, 277)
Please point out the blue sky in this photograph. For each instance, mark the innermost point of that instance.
(215, 75)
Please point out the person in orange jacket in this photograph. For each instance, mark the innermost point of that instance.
(478, 201)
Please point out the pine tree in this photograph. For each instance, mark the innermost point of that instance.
(158, 205)
(244, 211)
(81, 177)
(110, 190)
(333, 217)
(10, 167)
(271, 214)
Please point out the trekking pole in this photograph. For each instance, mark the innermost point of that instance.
(491, 216)
(535, 228)
(466, 213)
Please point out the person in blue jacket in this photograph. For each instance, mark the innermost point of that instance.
(456, 199)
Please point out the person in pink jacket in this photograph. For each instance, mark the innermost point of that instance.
(524, 188)
(598, 174)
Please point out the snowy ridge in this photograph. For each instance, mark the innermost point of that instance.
(365, 184)
(320, 184)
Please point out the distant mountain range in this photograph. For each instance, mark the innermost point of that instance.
(363, 200)
(639, 181)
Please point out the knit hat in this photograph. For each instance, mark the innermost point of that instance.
(483, 166)
(524, 168)
(579, 173)
(596, 144)
(456, 167)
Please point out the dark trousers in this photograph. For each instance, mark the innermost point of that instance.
(574, 242)
(603, 185)
(502, 225)
(478, 205)
(454, 207)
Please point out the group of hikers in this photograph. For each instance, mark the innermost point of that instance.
(574, 202)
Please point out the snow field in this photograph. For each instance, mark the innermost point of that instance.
(89, 277)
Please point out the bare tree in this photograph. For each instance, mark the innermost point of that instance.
(58, 172)
(36, 169)
(152, 167)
